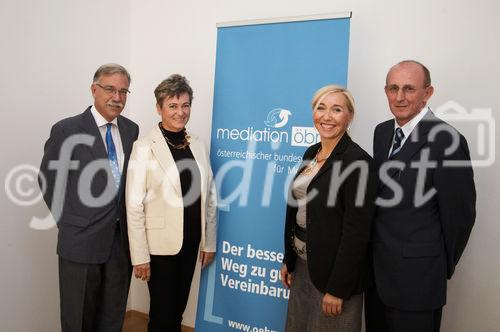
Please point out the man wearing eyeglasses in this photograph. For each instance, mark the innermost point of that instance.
(425, 207)
(82, 177)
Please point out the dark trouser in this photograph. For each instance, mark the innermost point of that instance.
(93, 297)
(380, 318)
(169, 289)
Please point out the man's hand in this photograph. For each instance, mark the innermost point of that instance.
(206, 258)
(142, 271)
(286, 277)
(332, 306)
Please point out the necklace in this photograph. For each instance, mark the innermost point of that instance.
(315, 161)
(180, 146)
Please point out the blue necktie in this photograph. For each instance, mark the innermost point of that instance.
(113, 159)
(398, 138)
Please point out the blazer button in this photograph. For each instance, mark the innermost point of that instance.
(117, 219)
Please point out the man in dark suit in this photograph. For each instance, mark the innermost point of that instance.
(425, 207)
(82, 177)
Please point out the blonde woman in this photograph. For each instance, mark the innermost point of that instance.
(328, 224)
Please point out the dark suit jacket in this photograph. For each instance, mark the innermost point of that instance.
(416, 245)
(85, 232)
(338, 233)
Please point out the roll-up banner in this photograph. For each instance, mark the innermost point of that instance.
(266, 74)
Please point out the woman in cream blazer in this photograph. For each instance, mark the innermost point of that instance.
(171, 206)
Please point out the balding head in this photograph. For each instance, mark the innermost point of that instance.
(410, 63)
(408, 88)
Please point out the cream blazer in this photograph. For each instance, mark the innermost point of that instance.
(154, 199)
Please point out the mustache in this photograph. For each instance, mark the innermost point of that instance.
(115, 105)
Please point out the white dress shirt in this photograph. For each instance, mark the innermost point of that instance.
(115, 133)
(408, 127)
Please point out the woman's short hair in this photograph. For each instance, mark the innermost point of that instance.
(332, 88)
(174, 85)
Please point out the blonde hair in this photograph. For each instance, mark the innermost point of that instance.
(320, 94)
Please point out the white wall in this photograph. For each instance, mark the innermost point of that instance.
(50, 50)
(456, 39)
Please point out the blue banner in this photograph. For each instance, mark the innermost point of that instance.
(265, 77)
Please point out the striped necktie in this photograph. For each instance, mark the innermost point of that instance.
(113, 159)
(398, 138)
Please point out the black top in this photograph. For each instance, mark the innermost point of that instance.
(190, 177)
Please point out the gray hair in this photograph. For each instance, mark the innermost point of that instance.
(110, 69)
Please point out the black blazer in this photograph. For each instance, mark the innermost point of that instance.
(85, 232)
(337, 232)
(416, 245)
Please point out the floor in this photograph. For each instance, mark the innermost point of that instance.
(138, 322)
(135, 324)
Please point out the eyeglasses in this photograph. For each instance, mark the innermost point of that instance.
(407, 89)
(111, 90)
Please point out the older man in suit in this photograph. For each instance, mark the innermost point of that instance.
(82, 176)
(425, 207)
